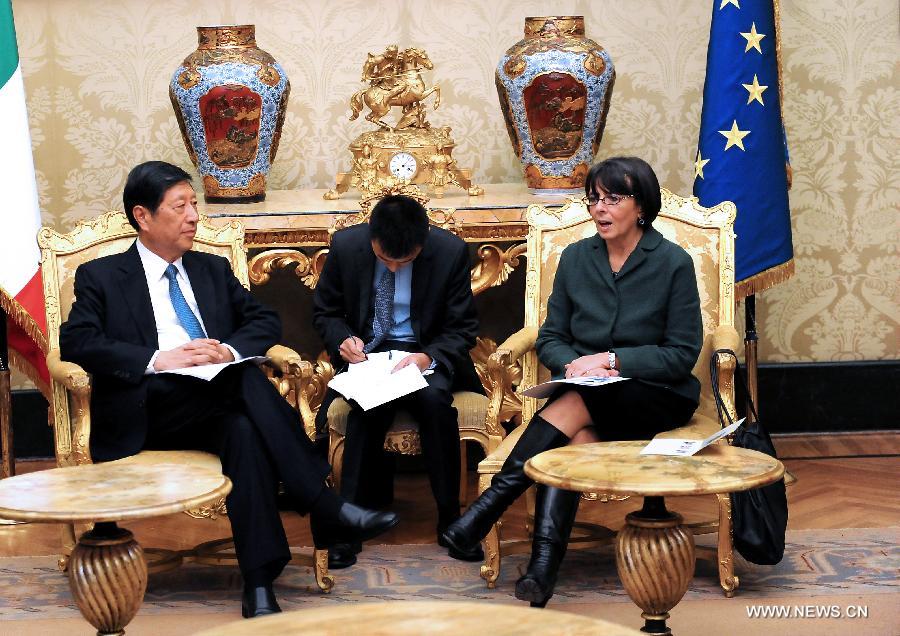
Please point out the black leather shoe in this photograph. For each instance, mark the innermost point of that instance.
(353, 524)
(343, 555)
(258, 601)
(470, 554)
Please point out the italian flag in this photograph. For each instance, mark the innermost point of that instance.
(21, 295)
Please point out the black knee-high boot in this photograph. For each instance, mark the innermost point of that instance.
(554, 516)
(466, 532)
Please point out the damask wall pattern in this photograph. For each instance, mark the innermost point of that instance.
(96, 76)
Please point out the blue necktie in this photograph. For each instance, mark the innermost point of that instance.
(185, 316)
(384, 311)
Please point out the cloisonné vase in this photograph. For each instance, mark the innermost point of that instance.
(555, 87)
(230, 98)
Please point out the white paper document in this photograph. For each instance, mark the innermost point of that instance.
(686, 447)
(371, 382)
(546, 389)
(209, 371)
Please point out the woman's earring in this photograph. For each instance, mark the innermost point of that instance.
(641, 221)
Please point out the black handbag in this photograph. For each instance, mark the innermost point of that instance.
(759, 516)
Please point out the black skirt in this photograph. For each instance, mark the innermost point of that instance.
(631, 410)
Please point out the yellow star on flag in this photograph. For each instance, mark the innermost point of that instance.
(753, 39)
(755, 89)
(698, 165)
(734, 136)
(724, 2)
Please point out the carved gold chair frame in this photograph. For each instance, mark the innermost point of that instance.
(707, 234)
(70, 387)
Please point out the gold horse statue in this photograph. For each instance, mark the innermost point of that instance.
(395, 80)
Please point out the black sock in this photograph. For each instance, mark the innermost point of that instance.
(328, 504)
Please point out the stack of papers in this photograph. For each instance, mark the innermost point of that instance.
(371, 383)
(546, 389)
(686, 447)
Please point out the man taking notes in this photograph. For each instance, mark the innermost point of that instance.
(396, 283)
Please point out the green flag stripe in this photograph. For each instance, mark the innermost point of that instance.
(9, 54)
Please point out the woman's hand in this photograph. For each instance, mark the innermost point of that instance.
(592, 365)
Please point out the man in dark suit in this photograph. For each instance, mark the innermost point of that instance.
(396, 283)
(159, 306)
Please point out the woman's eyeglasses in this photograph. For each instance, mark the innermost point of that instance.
(609, 199)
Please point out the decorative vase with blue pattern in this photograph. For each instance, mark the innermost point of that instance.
(230, 98)
(555, 87)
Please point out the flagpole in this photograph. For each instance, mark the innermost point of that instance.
(7, 461)
(751, 342)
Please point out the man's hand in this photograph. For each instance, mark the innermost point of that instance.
(593, 365)
(421, 360)
(351, 350)
(193, 354)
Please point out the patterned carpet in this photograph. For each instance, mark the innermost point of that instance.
(817, 562)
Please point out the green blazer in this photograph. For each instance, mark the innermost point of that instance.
(649, 314)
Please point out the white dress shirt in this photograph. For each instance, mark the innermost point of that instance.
(168, 329)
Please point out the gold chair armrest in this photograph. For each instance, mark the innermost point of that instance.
(294, 383)
(502, 373)
(75, 414)
(726, 337)
(287, 361)
(69, 374)
(517, 345)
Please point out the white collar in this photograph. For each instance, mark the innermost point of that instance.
(154, 265)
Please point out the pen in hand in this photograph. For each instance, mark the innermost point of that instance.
(352, 349)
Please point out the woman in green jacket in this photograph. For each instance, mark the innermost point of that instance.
(624, 302)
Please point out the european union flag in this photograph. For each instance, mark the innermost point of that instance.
(742, 152)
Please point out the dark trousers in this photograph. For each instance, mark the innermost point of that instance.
(433, 411)
(260, 440)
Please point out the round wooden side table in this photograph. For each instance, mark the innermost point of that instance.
(654, 551)
(107, 570)
(415, 618)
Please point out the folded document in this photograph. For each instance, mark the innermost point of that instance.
(686, 447)
(209, 371)
(546, 389)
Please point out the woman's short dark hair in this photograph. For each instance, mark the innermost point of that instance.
(399, 224)
(147, 184)
(627, 175)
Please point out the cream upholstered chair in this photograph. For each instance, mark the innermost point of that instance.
(707, 235)
(403, 435)
(70, 386)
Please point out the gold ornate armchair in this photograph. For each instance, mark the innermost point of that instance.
(70, 385)
(707, 235)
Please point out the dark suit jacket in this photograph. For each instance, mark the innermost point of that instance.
(111, 333)
(649, 314)
(442, 309)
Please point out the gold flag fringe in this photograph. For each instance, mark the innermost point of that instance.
(780, 67)
(21, 363)
(24, 320)
(763, 280)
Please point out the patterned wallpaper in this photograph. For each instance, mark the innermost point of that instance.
(96, 75)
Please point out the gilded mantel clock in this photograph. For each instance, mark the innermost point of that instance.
(410, 152)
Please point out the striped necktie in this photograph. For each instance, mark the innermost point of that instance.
(384, 311)
(185, 316)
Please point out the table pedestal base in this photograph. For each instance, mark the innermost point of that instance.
(108, 577)
(655, 559)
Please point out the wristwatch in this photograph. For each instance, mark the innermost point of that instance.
(612, 359)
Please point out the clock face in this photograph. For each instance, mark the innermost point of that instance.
(403, 166)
